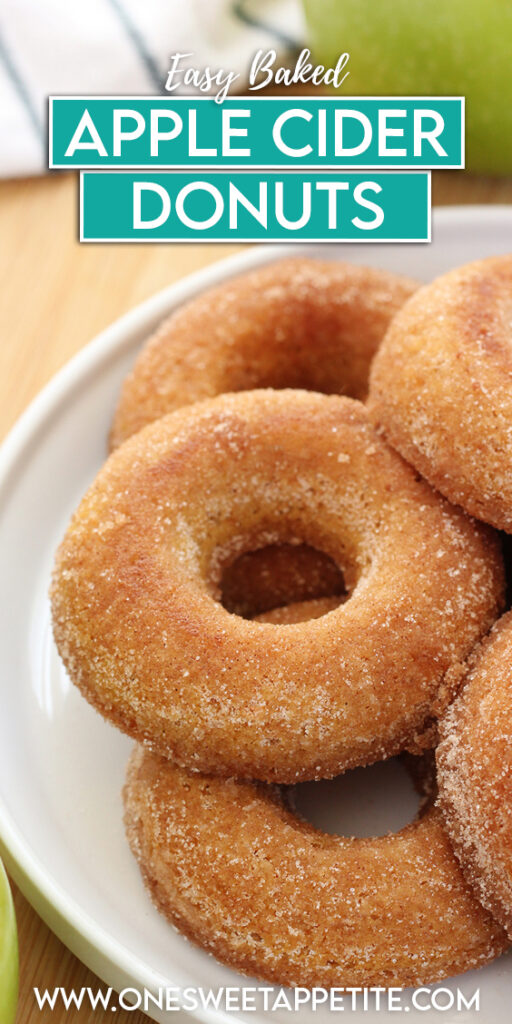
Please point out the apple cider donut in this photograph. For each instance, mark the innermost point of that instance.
(135, 591)
(441, 387)
(241, 874)
(298, 323)
(475, 773)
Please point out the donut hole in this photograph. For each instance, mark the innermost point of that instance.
(506, 540)
(276, 576)
(364, 802)
(297, 366)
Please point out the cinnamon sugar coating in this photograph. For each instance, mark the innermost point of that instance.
(298, 323)
(475, 773)
(441, 387)
(239, 873)
(135, 589)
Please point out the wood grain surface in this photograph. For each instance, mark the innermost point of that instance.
(56, 295)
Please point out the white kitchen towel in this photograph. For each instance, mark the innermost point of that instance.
(119, 46)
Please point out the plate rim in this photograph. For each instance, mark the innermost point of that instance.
(63, 915)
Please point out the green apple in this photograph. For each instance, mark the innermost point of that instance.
(427, 48)
(8, 953)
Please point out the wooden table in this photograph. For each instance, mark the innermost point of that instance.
(56, 295)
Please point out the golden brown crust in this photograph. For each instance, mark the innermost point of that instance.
(299, 323)
(475, 773)
(134, 592)
(441, 387)
(270, 895)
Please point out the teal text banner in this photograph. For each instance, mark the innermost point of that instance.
(273, 132)
(256, 207)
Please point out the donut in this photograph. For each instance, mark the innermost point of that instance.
(135, 590)
(421, 744)
(279, 575)
(239, 873)
(298, 323)
(475, 773)
(441, 387)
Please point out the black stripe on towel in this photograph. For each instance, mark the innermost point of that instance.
(281, 37)
(139, 44)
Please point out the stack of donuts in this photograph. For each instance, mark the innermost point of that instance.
(291, 565)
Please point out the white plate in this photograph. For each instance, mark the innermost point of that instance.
(61, 766)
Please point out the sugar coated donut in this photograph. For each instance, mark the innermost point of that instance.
(475, 773)
(141, 632)
(441, 387)
(298, 323)
(246, 878)
(419, 745)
